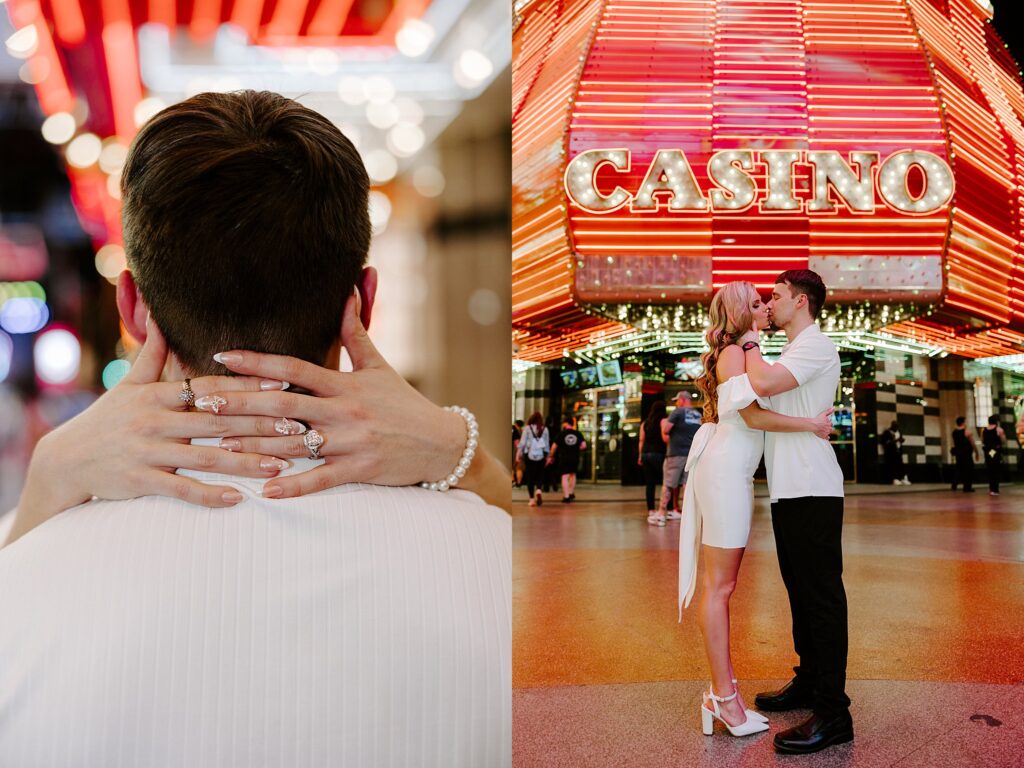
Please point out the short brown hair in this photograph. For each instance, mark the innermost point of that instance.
(808, 283)
(246, 226)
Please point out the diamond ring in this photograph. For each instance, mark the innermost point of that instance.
(187, 396)
(313, 440)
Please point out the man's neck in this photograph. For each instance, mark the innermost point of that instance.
(797, 325)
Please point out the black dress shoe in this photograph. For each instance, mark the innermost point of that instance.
(792, 695)
(815, 734)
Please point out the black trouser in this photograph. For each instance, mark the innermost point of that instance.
(895, 466)
(993, 466)
(534, 474)
(808, 537)
(652, 464)
(964, 472)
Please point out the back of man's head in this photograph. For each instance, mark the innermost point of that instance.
(246, 226)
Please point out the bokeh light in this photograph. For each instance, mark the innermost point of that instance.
(59, 128)
(114, 371)
(428, 180)
(485, 307)
(146, 108)
(6, 354)
(380, 165)
(84, 150)
(24, 42)
(382, 115)
(57, 355)
(111, 261)
(380, 211)
(414, 38)
(472, 68)
(406, 139)
(23, 314)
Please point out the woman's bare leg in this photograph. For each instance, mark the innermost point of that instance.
(721, 567)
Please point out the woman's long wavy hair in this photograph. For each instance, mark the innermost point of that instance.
(730, 317)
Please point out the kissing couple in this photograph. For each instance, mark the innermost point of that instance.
(783, 410)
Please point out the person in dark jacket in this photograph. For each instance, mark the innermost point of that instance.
(652, 458)
(993, 440)
(965, 452)
(892, 449)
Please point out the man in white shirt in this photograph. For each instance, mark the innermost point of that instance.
(360, 626)
(806, 487)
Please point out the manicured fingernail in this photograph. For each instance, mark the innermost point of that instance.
(271, 491)
(268, 384)
(273, 464)
(211, 403)
(228, 358)
(359, 303)
(289, 427)
(232, 497)
(230, 445)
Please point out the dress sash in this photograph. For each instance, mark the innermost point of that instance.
(689, 531)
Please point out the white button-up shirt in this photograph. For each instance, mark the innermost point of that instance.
(801, 464)
(362, 626)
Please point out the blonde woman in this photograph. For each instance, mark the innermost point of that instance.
(719, 498)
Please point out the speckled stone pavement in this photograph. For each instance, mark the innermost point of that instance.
(603, 674)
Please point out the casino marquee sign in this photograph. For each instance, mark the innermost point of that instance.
(662, 150)
(742, 180)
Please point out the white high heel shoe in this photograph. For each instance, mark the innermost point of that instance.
(750, 712)
(707, 717)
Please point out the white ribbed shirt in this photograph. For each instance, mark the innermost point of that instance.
(362, 626)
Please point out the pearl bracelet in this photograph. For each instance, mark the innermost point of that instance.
(472, 433)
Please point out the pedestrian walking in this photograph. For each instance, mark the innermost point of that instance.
(993, 440)
(534, 447)
(565, 457)
(892, 450)
(677, 430)
(652, 458)
(965, 452)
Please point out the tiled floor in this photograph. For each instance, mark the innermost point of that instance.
(605, 676)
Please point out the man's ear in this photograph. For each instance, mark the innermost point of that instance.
(131, 306)
(367, 287)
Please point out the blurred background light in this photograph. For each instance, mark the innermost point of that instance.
(382, 114)
(22, 314)
(111, 261)
(414, 38)
(378, 89)
(113, 156)
(350, 90)
(406, 139)
(84, 150)
(35, 70)
(59, 128)
(57, 355)
(6, 353)
(485, 306)
(114, 371)
(146, 108)
(472, 68)
(428, 180)
(23, 43)
(380, 211)
(380, 165)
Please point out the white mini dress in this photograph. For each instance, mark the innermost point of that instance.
(719, 500)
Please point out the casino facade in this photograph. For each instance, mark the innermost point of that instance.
(661, 150)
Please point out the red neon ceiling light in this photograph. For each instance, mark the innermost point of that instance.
(808, 76)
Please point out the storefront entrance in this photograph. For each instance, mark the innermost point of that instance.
(599, 414)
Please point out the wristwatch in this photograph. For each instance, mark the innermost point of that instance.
(750, 345)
